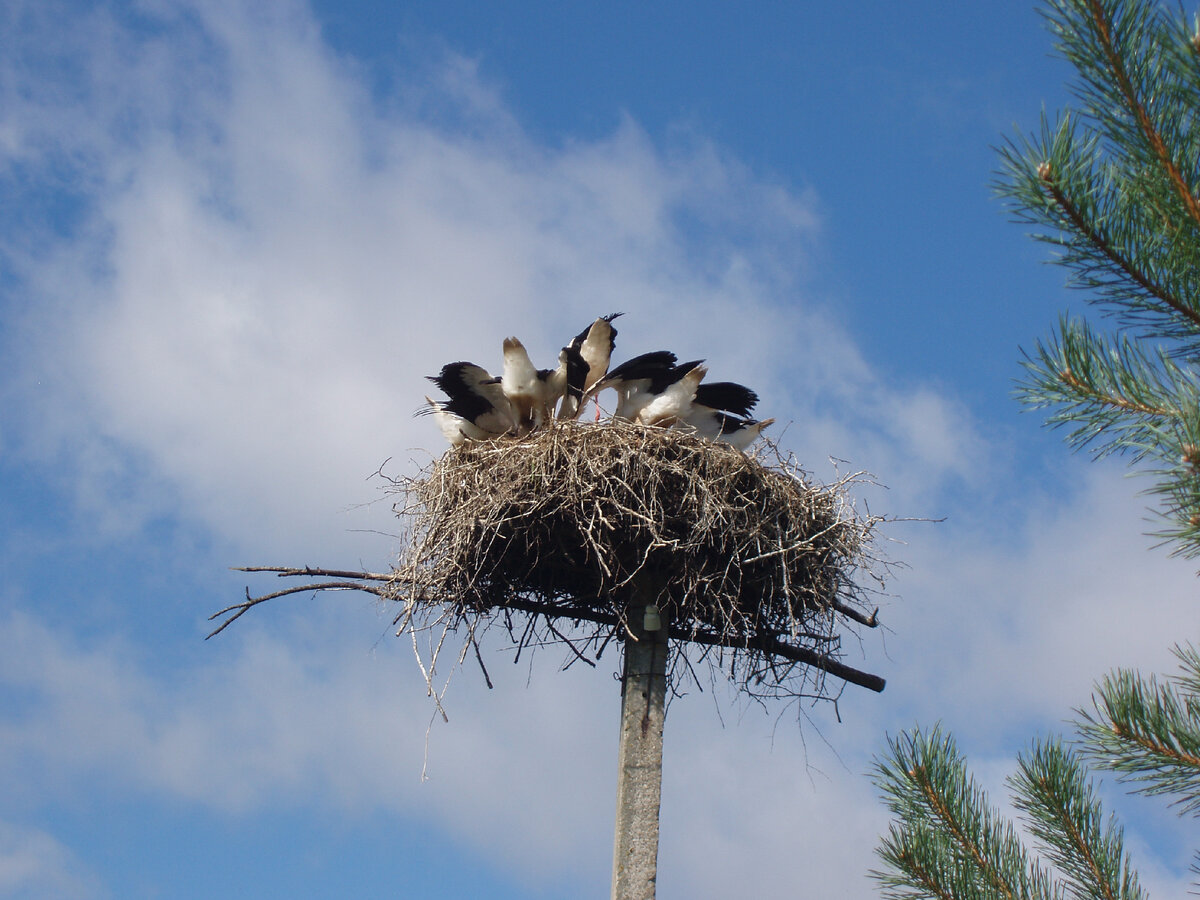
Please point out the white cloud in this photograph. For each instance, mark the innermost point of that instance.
(33, 864)
(273, 263)
(314, 718)
(1027, 627)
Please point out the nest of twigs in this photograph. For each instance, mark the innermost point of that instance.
(559, 535)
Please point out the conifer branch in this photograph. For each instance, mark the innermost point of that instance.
(1109, 399)
(1101, 243)
(1064, 815)
(1116, 65)
(1113, 193)
(1149, 732)
(947, 841)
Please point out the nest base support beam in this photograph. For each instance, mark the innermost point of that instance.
(639, 757)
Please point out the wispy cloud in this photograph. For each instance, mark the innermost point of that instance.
(271, 261)
(34, 864)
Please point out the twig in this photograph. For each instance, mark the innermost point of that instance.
(244, 607)
(309, 571)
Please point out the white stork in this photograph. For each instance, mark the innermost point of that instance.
(721, 412)
(727, 396)
(595, 346)
(527, 388)
(564, 383)
(631, 378)
(738, 432)
(641, 380)
(477, 409)
(673, 402)
(574, 369)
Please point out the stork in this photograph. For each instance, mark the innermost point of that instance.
(477, 409)
(639, 381)
(632, 377)
(721, 412)
(595, 345)
(564, 383)
(738, 432)
(728, 396)
(575, 371)
(673, 401)
(527, 388)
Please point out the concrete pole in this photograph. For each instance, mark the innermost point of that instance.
(639, 757)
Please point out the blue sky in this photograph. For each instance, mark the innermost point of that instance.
(239, 234)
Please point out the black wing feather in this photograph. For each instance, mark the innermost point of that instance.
(727, 395)
(464, 400)
(577, 371)
(655, 364)
(730, 424)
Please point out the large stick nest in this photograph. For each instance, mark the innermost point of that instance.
(752, 565)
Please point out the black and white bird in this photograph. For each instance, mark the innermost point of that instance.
(477, 409)
(671, 398)
(726, 427)
(641, 380)
(721, 412)
(595, 344)
(575, 371)
(527, 388)
(633, 376)
(727, 396)
(735, 430)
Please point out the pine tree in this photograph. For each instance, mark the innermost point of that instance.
(948, 841)
(1113, 188)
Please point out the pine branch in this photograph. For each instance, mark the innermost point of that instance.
(947, 842)
(923, 865)
(1120, 396)
(1148, 732)
(1118, 177)
(1112, 189)
(1065, 816)
(1106, 224)
(1096, 237)
(1109, 389)
(1116, 60)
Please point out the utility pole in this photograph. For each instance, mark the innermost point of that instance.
(639, 756)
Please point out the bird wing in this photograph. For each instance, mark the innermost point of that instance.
(728, 396)
(740, 433)
(578, 341)
(476, 397)
(521, 385)
(458, 377)
(662, 379)
(648, 365)
(674, 401)
(576, 371)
